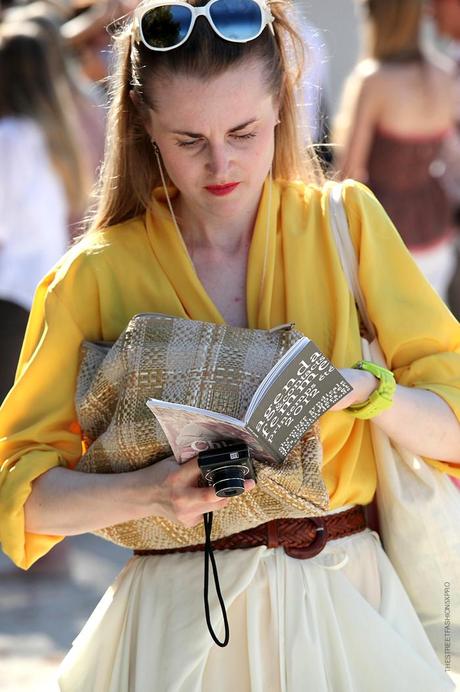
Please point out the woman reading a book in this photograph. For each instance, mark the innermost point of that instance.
(207, 211)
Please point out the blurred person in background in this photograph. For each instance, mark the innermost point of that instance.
(88, 34)
(88, 98)
(396, 113)
(42, 178)
(446, 14)
(447, 17)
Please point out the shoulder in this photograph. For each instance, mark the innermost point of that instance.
(309, 204)
(305, 207)
(297, 196)
(364, 86)
(307, 216)
(368, 223)
(355, 195)
(367, 74)
(359, 201)
(98, 255)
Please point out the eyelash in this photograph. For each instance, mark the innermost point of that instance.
(249, 135)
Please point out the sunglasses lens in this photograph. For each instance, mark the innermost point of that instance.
(166, 26)
(237, 20)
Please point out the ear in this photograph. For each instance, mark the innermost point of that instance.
(141, 107)
(136, 100)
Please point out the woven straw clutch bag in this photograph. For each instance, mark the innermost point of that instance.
(216, 367)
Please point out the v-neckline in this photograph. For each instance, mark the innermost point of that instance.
(172, 253)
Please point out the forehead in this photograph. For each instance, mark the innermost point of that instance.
(227, 97)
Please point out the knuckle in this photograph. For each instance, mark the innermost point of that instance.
(178, 505)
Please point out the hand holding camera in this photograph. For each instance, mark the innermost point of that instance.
(171, 490)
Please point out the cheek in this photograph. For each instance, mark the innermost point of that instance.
(179, 166)
(264, 150)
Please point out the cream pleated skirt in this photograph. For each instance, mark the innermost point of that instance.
(340, 622)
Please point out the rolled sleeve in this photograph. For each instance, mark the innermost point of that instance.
(39, 429)
(418, 334)
(15, 487)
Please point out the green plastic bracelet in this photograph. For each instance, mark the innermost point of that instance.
(382, 398)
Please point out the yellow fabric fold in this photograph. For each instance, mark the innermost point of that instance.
(143, 266)
(19, 478)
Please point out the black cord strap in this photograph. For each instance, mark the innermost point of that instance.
(209, 556)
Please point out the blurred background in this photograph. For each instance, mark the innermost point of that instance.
(380, 98)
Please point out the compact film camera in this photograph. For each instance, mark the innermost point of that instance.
(227, 467)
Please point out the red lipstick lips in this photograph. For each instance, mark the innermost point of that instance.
(220, 190)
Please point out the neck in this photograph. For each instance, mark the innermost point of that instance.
(215, 233)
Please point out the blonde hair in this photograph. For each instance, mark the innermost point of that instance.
(393, 28)
(130, 171)
(32, 86)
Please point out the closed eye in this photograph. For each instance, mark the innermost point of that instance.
(192, 142)
(189, 143)
(249, 135)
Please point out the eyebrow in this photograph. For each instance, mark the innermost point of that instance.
(195, 135)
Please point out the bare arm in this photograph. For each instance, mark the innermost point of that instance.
(419, 420)
(66, 503)
(356, 125)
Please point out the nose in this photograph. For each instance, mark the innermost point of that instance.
(217, 161)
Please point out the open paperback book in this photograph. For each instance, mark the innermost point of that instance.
(294, 394)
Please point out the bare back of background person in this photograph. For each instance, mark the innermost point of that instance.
(397, 111)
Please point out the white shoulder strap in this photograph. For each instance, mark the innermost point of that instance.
(347, 254)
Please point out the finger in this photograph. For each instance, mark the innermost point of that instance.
(206, 495)
(212, 504)
(195, 514)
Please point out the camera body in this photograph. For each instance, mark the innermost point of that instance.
(227, 467)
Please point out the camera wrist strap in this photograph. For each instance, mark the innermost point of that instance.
(209, 557)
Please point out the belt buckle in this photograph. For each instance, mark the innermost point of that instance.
(320, 540)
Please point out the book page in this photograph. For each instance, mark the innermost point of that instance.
(308, 387)
(191, 430)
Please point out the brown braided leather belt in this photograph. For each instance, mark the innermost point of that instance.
(301, 538)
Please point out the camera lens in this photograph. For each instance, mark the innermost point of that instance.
(228, 481)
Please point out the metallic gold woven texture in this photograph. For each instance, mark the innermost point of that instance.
(216, 367)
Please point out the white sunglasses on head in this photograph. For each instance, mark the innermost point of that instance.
(167, 24)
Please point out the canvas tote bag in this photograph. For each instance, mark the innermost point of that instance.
(211, 366)
(418, 506)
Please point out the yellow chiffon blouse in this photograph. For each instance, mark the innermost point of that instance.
(142, 266)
